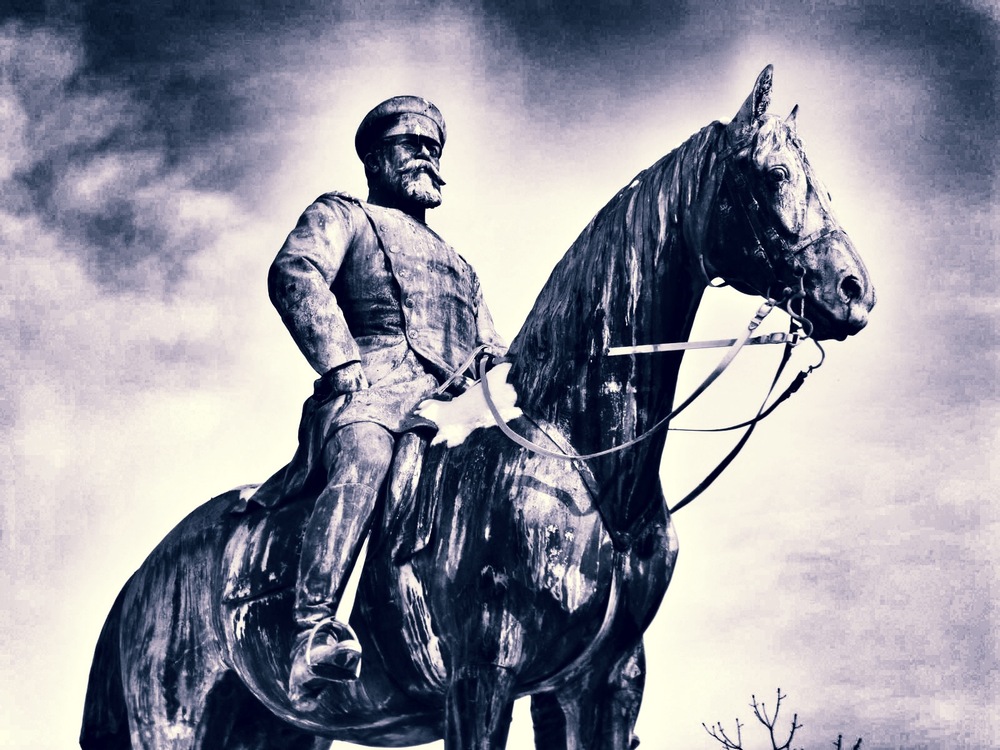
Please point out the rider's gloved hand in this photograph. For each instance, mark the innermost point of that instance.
(340, 380)
(487, 355)
(459, 383)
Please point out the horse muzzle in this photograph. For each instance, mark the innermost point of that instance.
(839, 294)
(840, 309)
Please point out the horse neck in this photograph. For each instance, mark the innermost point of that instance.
(632, 277)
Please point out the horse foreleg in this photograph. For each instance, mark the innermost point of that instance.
(478, 708)
(622, 699)
(599, 715)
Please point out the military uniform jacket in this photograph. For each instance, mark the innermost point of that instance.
(336, 283)
(355, 282)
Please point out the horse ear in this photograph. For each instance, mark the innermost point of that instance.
(756, 104)
(790, 120)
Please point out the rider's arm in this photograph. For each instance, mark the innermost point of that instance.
(485, 332)
(300, 285)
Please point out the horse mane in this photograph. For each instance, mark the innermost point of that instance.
(608, 287)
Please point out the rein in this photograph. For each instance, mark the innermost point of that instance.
(720, 368)
(765, 238)
(790, 340)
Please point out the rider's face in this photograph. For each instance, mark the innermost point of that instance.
(410, 168)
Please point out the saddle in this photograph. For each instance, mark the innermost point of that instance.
(263, 555)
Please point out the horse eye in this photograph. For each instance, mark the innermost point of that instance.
(777, 175)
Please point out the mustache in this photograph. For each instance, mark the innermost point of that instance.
(422, 165)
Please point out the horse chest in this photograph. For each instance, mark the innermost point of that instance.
(521, 570)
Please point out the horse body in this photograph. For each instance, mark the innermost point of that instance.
(515, 587)
(534, 575)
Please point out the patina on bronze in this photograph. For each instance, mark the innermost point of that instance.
(493, 572)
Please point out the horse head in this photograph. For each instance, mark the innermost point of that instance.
(775, 233)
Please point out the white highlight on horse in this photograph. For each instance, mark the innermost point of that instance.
(456, 419)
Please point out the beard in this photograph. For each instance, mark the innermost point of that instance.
(421, 188)
(417, 181)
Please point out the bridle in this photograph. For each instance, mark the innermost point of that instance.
(768, 248)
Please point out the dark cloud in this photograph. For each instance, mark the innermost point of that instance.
(193, 79)
(952, 47)
(594, 55)
(108, 160)
(955, 50)
(586, 29)
(201, 86)
(186, 66)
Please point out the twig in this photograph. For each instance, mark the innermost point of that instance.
(717, 733)
(839, 743)
(760, 711)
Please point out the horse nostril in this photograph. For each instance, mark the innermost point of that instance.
(851, 288)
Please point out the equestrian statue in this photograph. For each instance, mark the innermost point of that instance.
(518, 539)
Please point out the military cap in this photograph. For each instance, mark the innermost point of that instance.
(397, 116)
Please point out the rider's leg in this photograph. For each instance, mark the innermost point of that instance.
(357, 458)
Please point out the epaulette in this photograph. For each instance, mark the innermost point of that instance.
(335, 194)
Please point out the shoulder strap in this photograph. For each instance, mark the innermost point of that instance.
(337, 195)
(371, 220)
(348, 198)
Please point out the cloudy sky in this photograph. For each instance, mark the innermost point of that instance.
(153, 160)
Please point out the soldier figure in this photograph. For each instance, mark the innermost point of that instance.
(386, 312)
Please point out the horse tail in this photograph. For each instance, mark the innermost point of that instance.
(105, 719)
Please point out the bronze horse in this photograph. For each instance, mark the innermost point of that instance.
(497, 572)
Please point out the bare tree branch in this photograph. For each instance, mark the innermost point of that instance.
(718, 732)
(840, 740)
(760, 711)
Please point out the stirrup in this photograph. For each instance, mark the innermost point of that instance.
(340, 662)
(343, 658)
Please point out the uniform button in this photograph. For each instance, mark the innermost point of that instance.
(409, 302)
(391, 248)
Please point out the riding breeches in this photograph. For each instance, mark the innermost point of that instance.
(357, 458)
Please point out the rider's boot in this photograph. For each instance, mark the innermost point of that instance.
(325, 648)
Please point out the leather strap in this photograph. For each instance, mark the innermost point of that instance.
(791, 338)
(720, 368)
(751, 424)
